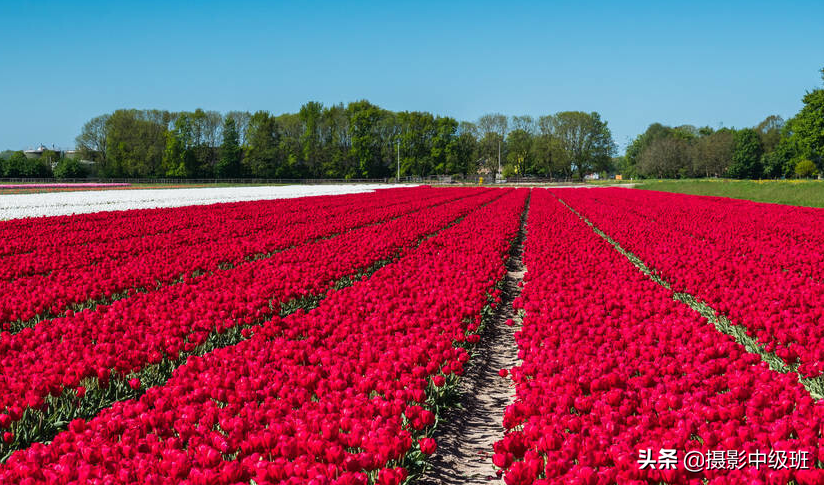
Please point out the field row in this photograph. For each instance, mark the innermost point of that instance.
(166, 245)
(339, 393)
(613, 365)
(759, 264)
(137, 335)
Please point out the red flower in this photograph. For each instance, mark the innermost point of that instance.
(428, 445)
(134, 383)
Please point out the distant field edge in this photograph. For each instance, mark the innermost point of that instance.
(804, 193)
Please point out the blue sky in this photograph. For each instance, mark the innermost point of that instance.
(698, 62)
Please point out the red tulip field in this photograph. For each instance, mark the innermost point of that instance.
(660, 338)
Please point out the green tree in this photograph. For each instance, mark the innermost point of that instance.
(444, 151)
(779, 162)
(179, 159)
(366, 145)
(263, 157)
(520, 151)
(310, 115)
(290, 152)
(69, 168)
(746, 155)
(492, 130)
(49, 158)
(466, 148)
(135, 143)
(585, 139)
(91, 142)
(770, 132)
(228, 165)
(335, 155)
(666, 157)
(805, 169)
(551, 158)
(711, 154)
(634, 150)
(19, 165)
(805, 131)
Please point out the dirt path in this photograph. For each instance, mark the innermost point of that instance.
(466, 434)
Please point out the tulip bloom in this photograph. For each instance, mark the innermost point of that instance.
(428, 446)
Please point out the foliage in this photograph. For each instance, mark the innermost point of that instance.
(69, 168)
(135, 143)
(666, 157)
(340, 141)
(585, 139)
(805, 131)
(91, 142)
(805, 169)
(746, 155)
(520, 152)
(230, 152)
(18, 165)
(179, 157)
(261, 152)
(712, 153)
(363, 125)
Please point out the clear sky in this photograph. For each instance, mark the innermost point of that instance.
(697, 62)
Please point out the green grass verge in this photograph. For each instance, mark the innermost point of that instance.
(809, 193)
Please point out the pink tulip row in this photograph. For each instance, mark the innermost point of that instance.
(759, 264)
(342, 394)
(131, 334)
(95, 271)
(612, 366)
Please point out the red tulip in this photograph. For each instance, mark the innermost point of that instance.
(428, 446)
(134, 383)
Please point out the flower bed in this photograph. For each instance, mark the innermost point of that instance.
(342, 394)
(148, 333)
(613, 366)
(761, 265)
(171, 244)
(81, 202)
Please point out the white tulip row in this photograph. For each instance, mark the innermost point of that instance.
(15, 206)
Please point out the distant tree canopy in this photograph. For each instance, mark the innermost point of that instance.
(772, 149)
(18, 165)
(359, 140)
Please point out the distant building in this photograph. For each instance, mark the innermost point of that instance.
(35, 152)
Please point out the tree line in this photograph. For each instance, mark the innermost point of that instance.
(358, 140)
(772, 149)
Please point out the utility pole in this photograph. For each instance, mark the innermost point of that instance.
(499, 156)
(399, 160)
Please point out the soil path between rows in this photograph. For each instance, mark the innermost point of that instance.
(466, 434)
